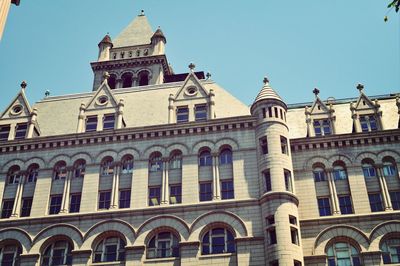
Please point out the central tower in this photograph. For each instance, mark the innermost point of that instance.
(135, 58)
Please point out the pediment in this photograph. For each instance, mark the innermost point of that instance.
(18, 108)
(364, 103)
(319, 107)
(191, 88)
(102, 99)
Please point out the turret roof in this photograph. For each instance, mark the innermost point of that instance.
(266, 93)
(138, 32)
(159, 34)
(106, 39)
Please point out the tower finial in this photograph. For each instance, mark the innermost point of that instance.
(46, 93)
(106, 75)
(23, 84)
(360, 87)
(316, 92)
(192, 67)
(141, 12)
(266, 80)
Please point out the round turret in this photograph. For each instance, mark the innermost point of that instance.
(104, 48)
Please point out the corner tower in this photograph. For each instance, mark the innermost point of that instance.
(278, 202)
(136, 57)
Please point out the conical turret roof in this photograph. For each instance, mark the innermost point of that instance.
(138, 32)
(267, 93)
(106, 39)
(159, 34)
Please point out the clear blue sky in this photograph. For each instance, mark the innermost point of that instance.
(300, 45)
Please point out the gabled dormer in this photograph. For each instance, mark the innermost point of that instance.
(102, 111)
(366, 114)
(192, 102)
(320, 118)
(19, 121)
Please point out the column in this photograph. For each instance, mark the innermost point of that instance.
(120, 113)
(165, 182)
(171, 108)
(11, 134)
(31, 124)
(115, 186)
(212, 104)
(216, 182)
(99, 122)
(332, 189)
(310, 130)
(18, 196)
(81, 118)
(67, 189)
(384, 190)
(354, 116)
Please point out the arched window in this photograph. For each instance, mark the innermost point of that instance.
(218, 240)
(79, 168)
(60, 170)
(391, 251)
(110, 249)
(339, 171)
(368, 168)
(225, 156)
(155, 162)
(127, 164)
(112, 81)
(143, 78)
(57, 253)
(107, 166)
(389, 167)
(163, 245)
(342, 253)
(14, 176)
(205, 158)
(9, 254)
(127, 80)
(175, 161)
(33, 172)
(319, 172)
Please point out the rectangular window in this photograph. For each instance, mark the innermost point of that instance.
(368, 123)
(264, 145)
(26, 207)
(294, 234)
(91, 123)
(175, 194)
(288, 180)
(375, 201)
(109, 121)
(284, 145)
(4, 132)
(322, 127)
(345, 205)
(270, 111)
(395, 199)
(292, 220)
(389, 170)
(104, 200)
(276, 112)
(200, 112)
(124, 199)
(75, 203)
(319, 175)
(6, 211)
(272, 236)
(154, 196)
(182, 114)
(55, 204)
(14, 178)
(267, 179)
(369, 171)
(227, 191)
(324, 207)
(206, 191)
(20, 131)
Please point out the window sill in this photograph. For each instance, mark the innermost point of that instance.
(111, 263)
(161, 260)
(219, 255)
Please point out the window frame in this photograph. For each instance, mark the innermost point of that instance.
(263, 142)
(5, 132)
(205, 195)
(66, 254)
(75, 202)
(7, 208)
(91, 122)
(55, 204)
(124, 199)
(102, 249)
(154, 195)
(182, 114)
(210, 245)
(156, 248)
(345, 204)
(21, 130)
(26, 207)
(175, 191)
(375, 205)
(324, 206)
(229, 192)
(205, 158)
(200, 112)
(104, 202)
(284, 145)
(109, 119)
(332, 251)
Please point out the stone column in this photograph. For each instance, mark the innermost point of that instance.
(310, 130)
(120, 113)
(216, 181)
(81, 118)
(165, 182)
(11, 134)
(31, 124)
(384, 190)
(118, 83)
(212, 104)
(18, 195)
(99, 122)
(333, 193)
(115, 186)
(354, 116)
(171, 109)
(67, 188)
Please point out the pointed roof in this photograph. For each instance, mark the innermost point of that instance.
(21, 100)
(106, 39)
(267, 93)
(138, 32)
(159, 34)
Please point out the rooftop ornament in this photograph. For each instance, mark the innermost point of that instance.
(316, 92)
(208, 75)
(24, 84)
(46, 93)
(192, 67)
(266, 80)
(360, 87)
(106, 75)
(141, 12)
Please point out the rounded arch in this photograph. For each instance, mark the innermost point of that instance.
(315, 160)
(162, 221)
(213, 217)
(144, 77)
(339, 157)
(127, 79)
(201, 144)
(128, 151)
(103, 154)
(35, 160)
(11, 163)
(69, 231)
(57, 158)
(389, 153)
(227, 142)
(337, 231)
(82, 155)
(365, 155)
(380, 231)
(177, 146)
(154, 148)
(19, 235)
(115, 225)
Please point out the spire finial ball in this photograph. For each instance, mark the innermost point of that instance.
(142, 12)
(266, 80)
(24, 84)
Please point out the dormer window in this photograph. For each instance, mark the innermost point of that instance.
(368, 123)
(109, 121)
(91, 123)
(322, 127)
(20, 131)
(4, 132)
(182, 114)
(200, 112)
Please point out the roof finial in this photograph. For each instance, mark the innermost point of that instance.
(191, 66)
(316, 92)
(360, 87)
(23, 84)
(208, 75)
(106, 75)
(141, 12)
(266, 80)
(47, 93)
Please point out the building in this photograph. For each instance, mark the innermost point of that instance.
(157, 168)
(4, 8)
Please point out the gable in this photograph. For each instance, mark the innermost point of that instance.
(191, 89)
(364, 103)
(102, 99)
(18, 108)
(319, 107)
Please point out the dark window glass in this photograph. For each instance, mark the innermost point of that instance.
(375, 201)
(267, 178)
(345, 205)
(227, 190)
(26, 207)
(124, 199)
(55, 204)
(4, 132)
(324, 207)
(175, 194)
(182, 114)
(75, 203)
(395, 199)
(288, 180)
(319, 175)
(109, 121)
(322, 127)
(20, 131)
(200, 112)
(264, 145)
(368, 171)
(292, 220)
(6, 211)
(91, 123)
(104, 200)
(270, 220)
(154, 196)
(294, 234)
(143, 78)
(272, 236)
(205, 191)
(205, 158)
(225, 157)
(217, 241)
(284, 145)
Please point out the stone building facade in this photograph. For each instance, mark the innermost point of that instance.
(157, 168)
